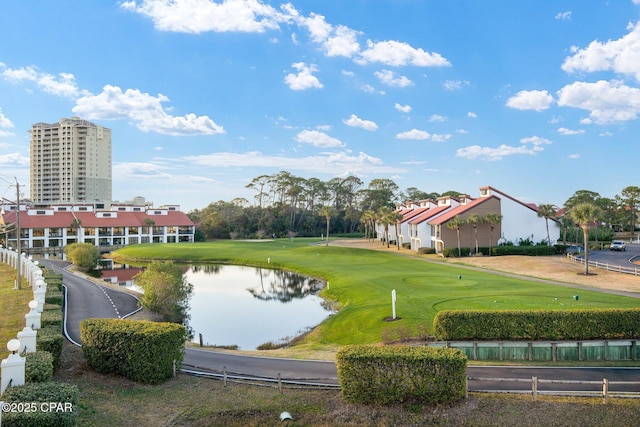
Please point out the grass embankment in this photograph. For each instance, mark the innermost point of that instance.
(14, 304)
(361, 281)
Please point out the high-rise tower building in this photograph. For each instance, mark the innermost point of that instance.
(70, 162)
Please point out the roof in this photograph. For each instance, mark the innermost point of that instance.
(63, 219)
(428, 214)
(458, 210)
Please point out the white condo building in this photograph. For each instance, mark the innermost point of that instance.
(70, 162)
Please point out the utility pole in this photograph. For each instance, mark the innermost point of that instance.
(18, 248)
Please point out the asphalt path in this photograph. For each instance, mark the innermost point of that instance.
(86, 299)
(622, 258)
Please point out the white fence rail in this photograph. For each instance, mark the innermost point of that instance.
(606, 266)
(602, 389)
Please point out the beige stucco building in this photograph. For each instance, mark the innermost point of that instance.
(70, 162)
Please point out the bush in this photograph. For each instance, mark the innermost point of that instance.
(393, 374)
(425, 251)
(51, 318)
(532, 325)
(142, 351)
(38, 367)
(39, 396)
(524, 250)
(50, 339)
(53, 296)
(453, 252)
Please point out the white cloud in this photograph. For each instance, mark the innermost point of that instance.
(64, 84)
(318, 139)
(414, 134)
(565, 131)
(574, 156)
(4, 121)
(335, 40)
(472, 115)
(197, 16)
(403, 108)
(342, 163)
(144, 110)
(537, 100)
(437, 118)
(454, 84)
(620, 56)
(607, 102)
(398, 54)
(304, 79)
(436, 137)
(490, 153)
(564, 16)
(14, 159)
(389, 78)
(356, 121)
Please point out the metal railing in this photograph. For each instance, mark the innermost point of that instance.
(606, 266)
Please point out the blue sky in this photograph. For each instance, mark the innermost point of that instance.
(536, 98)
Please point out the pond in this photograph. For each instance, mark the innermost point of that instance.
(247, 307)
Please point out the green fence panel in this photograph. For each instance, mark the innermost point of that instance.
(515, 351)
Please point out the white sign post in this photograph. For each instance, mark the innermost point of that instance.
(393, 303)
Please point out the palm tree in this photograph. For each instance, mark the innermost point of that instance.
(565, 223)
(475, 219)
(327, 212)
(397, 220)
(492, 219)
(585, 214)
(384, 216)
(368, 218)
(455, 224)
(547, 211)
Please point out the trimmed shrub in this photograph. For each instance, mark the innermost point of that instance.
(538, 250)
(453, 252)
(425, 251)
(394, 374)
(50, 339)
(142, 351)
(38, 367)
(51, 318)
(535, 325)
(39, 397)
(53, 296)
(52, 307)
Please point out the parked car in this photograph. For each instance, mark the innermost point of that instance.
(618, 245)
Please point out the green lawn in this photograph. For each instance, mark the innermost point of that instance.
(361, 281)
(14, 304)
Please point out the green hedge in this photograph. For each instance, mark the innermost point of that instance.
(53, 296)
(52, 279)
(535, 325)
(538, 250)
(38, 398)
(142, 351)
(38, 367)
(453, 252)
(51, 318)
(50, 338)
(393, 374)
(425, 251)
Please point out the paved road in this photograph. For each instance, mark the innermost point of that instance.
(87, 299)
(622, 258)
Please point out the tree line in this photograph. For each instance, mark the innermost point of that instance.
(285, 205)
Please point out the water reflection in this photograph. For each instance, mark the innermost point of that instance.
(245, 306)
